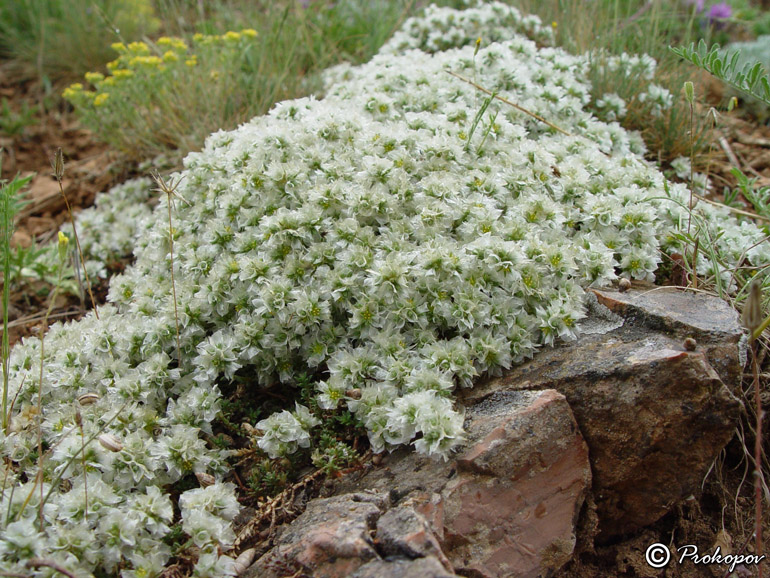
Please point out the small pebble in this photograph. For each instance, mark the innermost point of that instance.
(690, 344)
(624, 285)
(377, 459)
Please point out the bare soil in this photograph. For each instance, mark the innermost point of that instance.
(90, 167)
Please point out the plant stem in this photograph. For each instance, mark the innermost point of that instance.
(173, 283)
(40, 391)
(58, 165)
(509, 103)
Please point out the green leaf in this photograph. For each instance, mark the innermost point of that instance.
(751, 80)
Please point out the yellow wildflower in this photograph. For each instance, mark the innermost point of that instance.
(149, 61)
(113, 64)
(110, 80)
(172, 42)
(214, 74)
(101, 98)
(232, 36)
(72, 90)
(118, 47)
(139, 48)
(192, 61)
(249, 32)
(170, 56)
(197, 37)
(94, 77)
(123, 73)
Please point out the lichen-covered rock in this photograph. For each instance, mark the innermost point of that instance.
(404, 568)
(401, 531)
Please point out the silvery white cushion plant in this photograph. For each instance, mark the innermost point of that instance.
(374, 237)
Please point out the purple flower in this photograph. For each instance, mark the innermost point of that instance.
(720, 12)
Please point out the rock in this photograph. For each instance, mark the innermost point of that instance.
(20, 239)
(654, 415)
(512, 509)
(403, 532)
(711, 322)
(330, 539)
(507, 506)
(400, 568)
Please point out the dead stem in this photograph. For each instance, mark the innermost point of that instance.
(170, 189)
(509, 103)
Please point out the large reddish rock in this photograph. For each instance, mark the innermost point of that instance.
(507, 506)
(512, 508)
(654, 413)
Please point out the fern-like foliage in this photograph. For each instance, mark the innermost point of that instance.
(749, 79)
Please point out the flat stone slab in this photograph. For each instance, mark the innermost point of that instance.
(680, 314)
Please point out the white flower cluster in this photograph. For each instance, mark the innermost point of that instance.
(611, 107)
(284, 432)
(635, 70)
(442, 28)
(658, 98)
(683, 170)
(107, 230)
(627, 65)
(388, 238)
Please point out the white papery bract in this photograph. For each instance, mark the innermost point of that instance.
(389, 240)
(206, 513)
(284, 432)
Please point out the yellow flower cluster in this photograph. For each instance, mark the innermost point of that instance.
(149, 61)
(173, 43)
(228, 37)
(142, 60)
